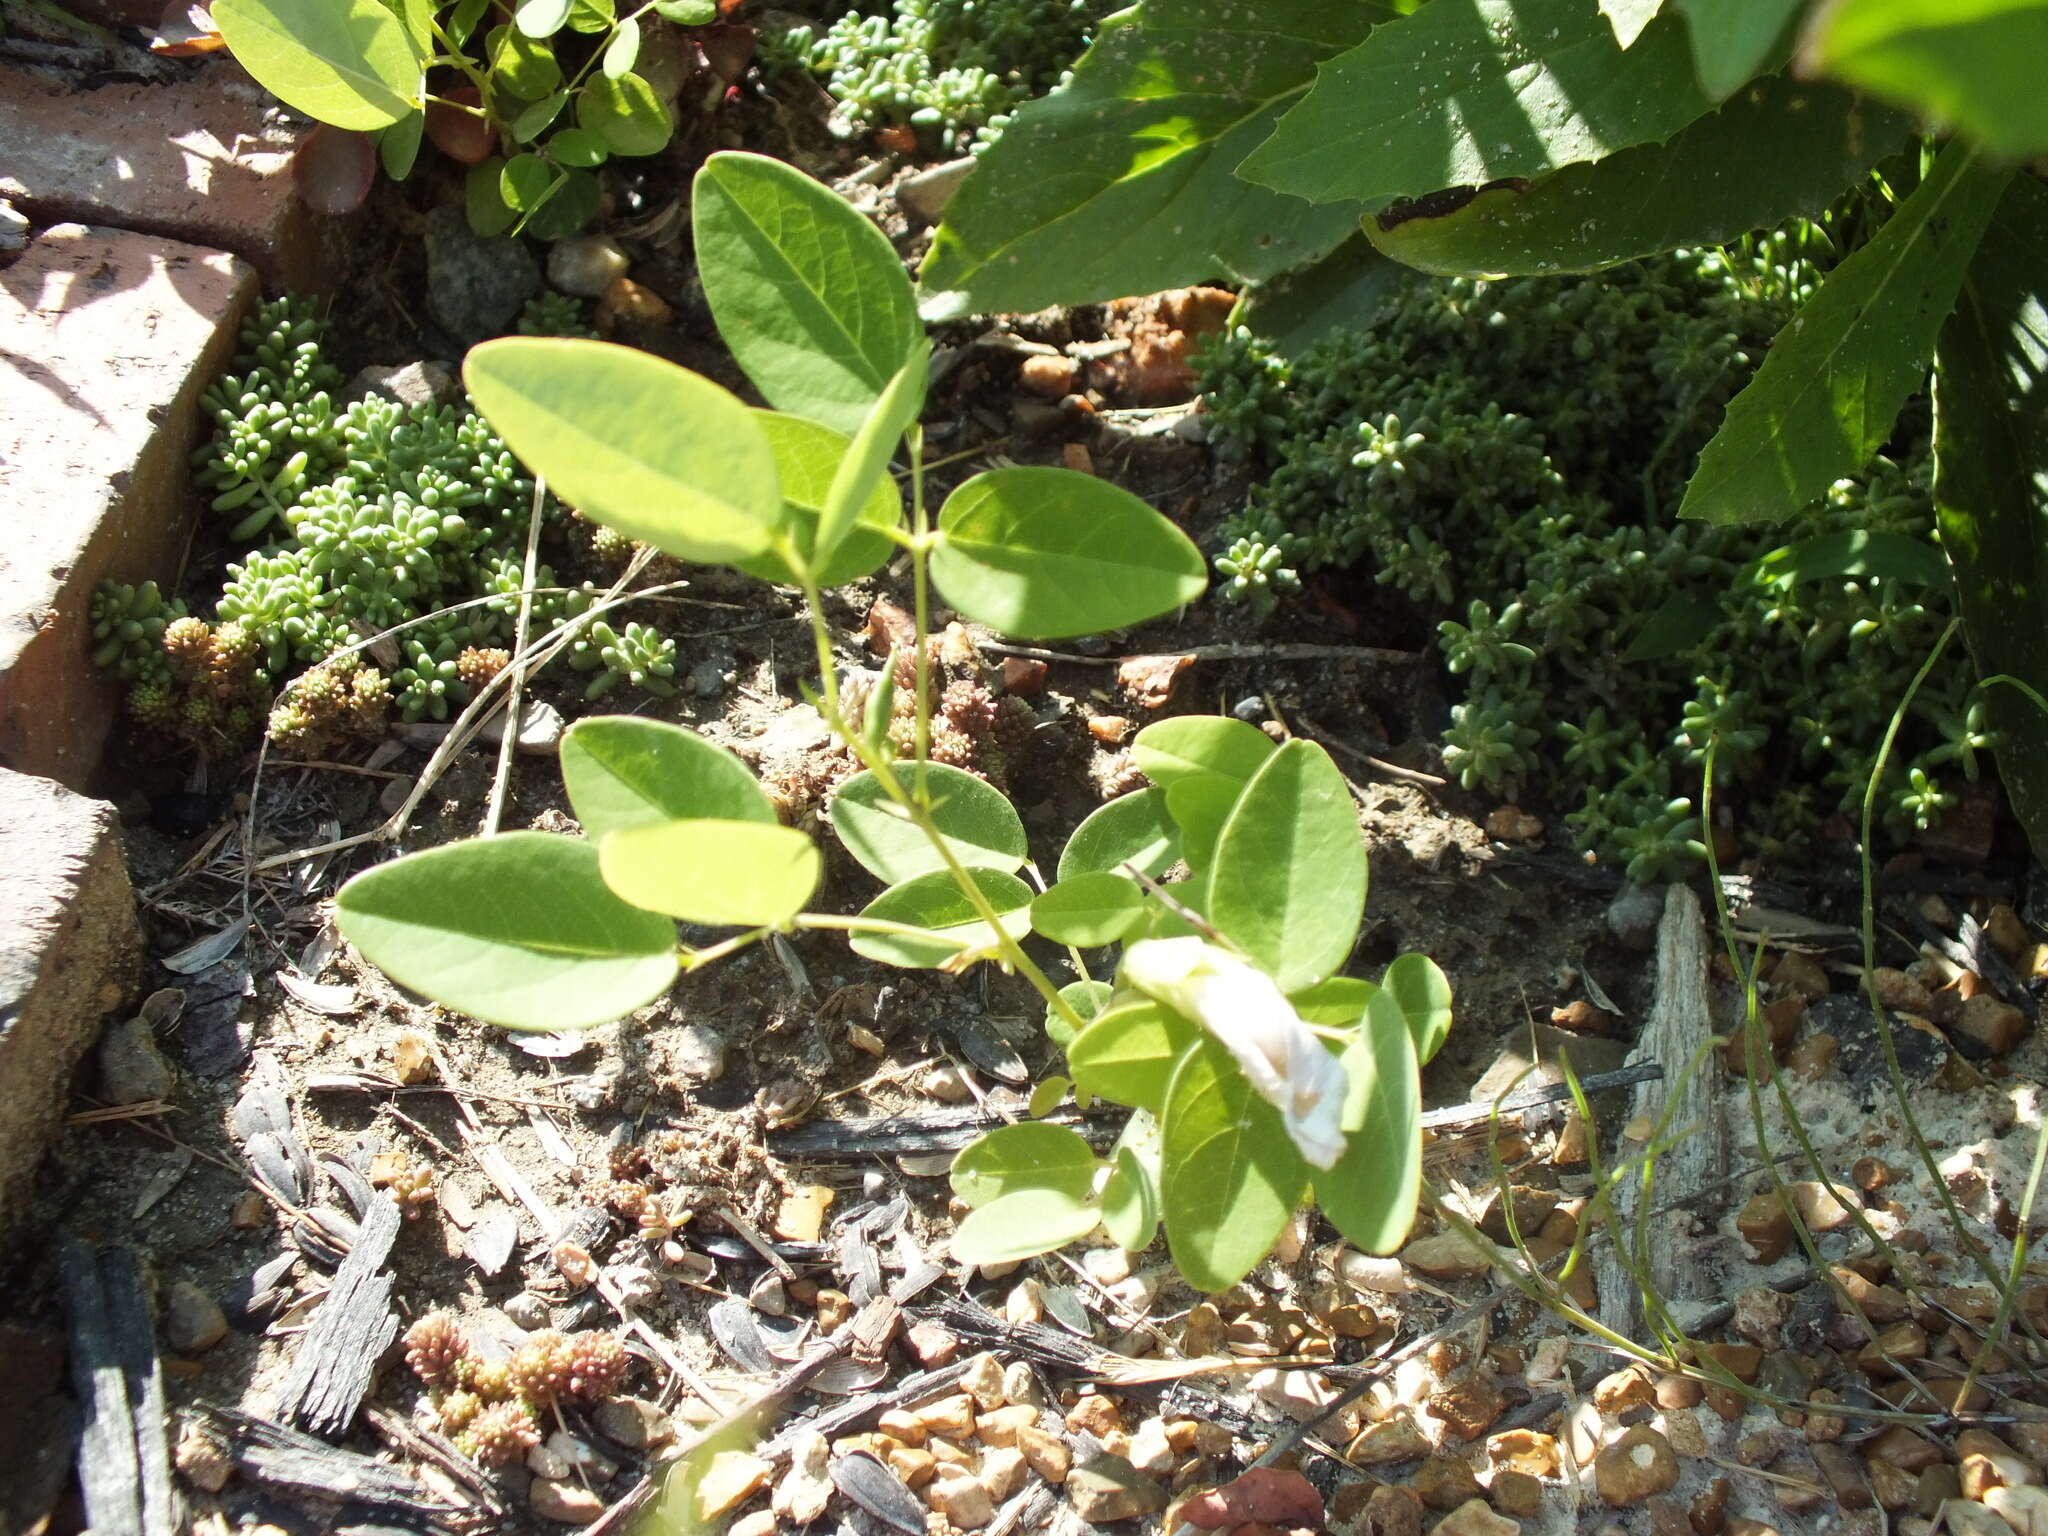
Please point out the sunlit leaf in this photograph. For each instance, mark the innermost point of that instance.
(866, 464)
(1974, 65)
(1230, 1177)
(807, 456)
(1027, 1155)
(1131, 829)
(1127, 1055)
(624, 771)
(749, 874)
(1090, 910)
(934, 903)
(1423, 994)
(1022, 1226)
(346, 62)
(1370, 1195)
(976, 819)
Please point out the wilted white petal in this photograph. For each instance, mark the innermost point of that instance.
(1245, 1010)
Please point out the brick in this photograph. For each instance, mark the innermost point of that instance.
(195, 161)
(69, 950)
(109, 340)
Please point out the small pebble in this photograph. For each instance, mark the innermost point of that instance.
(132, 1068)
(586, 265)
(13, 227)
(193, 1321)
(634, 1423)
(1251, 709)
(697, 1052)
(528, 1311)
(946, 1083)
(567, 1502)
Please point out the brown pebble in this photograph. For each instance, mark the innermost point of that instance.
(1524, 1450)
(1024, 676)
(1811, 1057)
(1582, 1018)
(2008, 935)
(1515, 1493)
(631, 302)
(1468, 1404)
(1075, 456)
(834, 1309)
(1802, 974)
(1049, 377)
(1818, 1206)
(1108, 729)
(1443, 1483)
(1765, 1227)
(1621, 1390)
(1391, 1510)
(1708, 1511)
(1989, 1026)
(1638, 1464)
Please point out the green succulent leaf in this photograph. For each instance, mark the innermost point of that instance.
(1128, 1053)
(749, 874)
(976, 819)
(808, 294)
(1230, 1175)
(1370, 1194)
(807, 456)
(623, 771)
(1090, 910)
(1022, 1226)
(1971, 64)
(934, 902)
(1047, 553)
(351, 63)
(1831, 388)
(1465, 92)
(519, 930)
(655, 451)
(1423, 994)
(1131, 829)
(1028, 1155)
(1781, 147)
(1288, 884)
(1142, 144)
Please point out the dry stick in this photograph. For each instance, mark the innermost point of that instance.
(515, 690)
(1214, 653)
(1377, 764)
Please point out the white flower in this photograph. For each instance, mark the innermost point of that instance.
(1252, 1019)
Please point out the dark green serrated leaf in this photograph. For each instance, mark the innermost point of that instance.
(1975, 66)
(1339, 291)
(1468, 91)
(1230, 1176)
(1831, 387)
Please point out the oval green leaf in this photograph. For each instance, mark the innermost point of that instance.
(1022, 1226)
(622, 771)
(398, 147)
(578, 147)
(1130, 1198)
(525, 182)
(655, 451)
(1288, 886)
(744, 874)
(521, 66)
(1028, 1155)
(1046, 553)
(625, 113)
(1131, 829)
(866, 463)
(541, 18)
(1423, 994)
(482, 201)
(807, 456)
(1127, 1055)
(1199, 807)
(809, 295)
(976, 819)
(1338, 1003)
(1190, 746)
(1086, 998)
(1230, 1176)
(1090, 910)
(933, 902)
(346, 62)
(533, 122)
(519, 930)
(623, 51)
(1370, 1194)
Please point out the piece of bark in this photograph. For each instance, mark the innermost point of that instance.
(135, 1338)
(111, 1457)
(337, 1358)
(1696, 1164)
(933, 1130)
(346, 1488)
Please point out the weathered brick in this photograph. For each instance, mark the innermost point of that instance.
(107, 340)
(194, 160)
(69, 948)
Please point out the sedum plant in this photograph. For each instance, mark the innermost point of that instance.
(1255, 1071)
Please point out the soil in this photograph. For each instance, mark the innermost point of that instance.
(808, 1032)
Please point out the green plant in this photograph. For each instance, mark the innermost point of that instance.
(1460, 137)
(533, 98)
(954, 69)
(1257, 1069)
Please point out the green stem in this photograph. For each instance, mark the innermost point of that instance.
(697, 959)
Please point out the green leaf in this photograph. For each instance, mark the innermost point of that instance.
(1087, 998)
(622, 771)
(1047, 553)
(687, 13)
(807, 456)
(1121, 180)
(746, 874)
(1027, 1155)
(571, 203)
(520, 65)
(623, 51)
(1469, 91)
(1090, 910)
(1629, 17)
(1131, 829)
(1130, 1197)
(934, 902)
(398, 147)
(578, 147)
(1735, 40)
(653, 450)
(1231, 1177)
(1340, 291)
(625, 113)
(1971, 64)
(1046, 1096)
(1127, 1055)
(541, 18)
(1779, 148)
(482, 201)
(1423, 994)
(976, 819)
(1854, 552)
(533, 122)
(1190, 746)
(866, 464)
(1336, 1003)
(346, 62)
(518, 930)
(809, 295)
(1199, 807)
(1677, 625)
(1828, 392)
(1288, 886)
(1022, 1226)
(1370, 1195)
(1991, 481)
(593, 16)
(525, 180)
